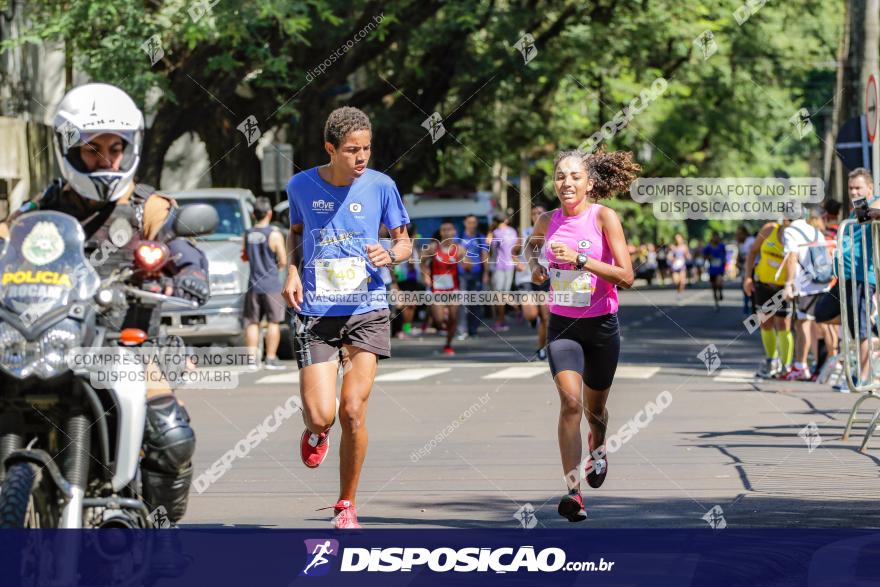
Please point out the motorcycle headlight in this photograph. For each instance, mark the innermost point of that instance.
(45, 357)
(14, 355)
(55, 346)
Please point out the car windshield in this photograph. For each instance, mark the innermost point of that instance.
(229, 210)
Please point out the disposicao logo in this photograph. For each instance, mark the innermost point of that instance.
(319, 554)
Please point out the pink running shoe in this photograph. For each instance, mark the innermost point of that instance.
(345, 515)
(571, 507)
(798, 374)
(313, 448)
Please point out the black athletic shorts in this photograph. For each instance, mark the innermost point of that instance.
(318, 339)
(764, 292)
(589, 346)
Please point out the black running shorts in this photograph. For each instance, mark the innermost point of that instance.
(589, 346)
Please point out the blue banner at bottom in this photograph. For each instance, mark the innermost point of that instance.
(440, 557)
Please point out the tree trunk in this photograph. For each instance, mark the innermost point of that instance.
(525, 193)
(833, 184)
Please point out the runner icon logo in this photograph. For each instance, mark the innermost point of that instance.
(318, 556)
(711, 358)
(525, 515)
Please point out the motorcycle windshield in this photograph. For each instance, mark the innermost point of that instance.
(43, 266)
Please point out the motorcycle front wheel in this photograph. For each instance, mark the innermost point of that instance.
(29, 498)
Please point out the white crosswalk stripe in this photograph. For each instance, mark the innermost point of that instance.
(518, 372)
(507, 371)
(412, 374)
(635, 371)
(735, 376)
(289, 377)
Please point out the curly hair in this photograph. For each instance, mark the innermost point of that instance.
(611, 173)
(343, 121)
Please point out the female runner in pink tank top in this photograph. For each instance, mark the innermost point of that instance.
(588, 259)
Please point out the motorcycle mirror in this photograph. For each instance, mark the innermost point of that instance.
(196, 220)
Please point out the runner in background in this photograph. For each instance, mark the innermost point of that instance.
(588, 259)
(809, 272)
(716, 255)
(537, 314)
(696, 264)
(477, 278)
(502, 240)
(406, 277)
(440, 263)
(662, 263)
(744, 242)
(767, 286)
(264, 250)
(678, 256)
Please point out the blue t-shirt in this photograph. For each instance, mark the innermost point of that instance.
(338, 278)
(716, 255)
(474, 247)
(852, 252)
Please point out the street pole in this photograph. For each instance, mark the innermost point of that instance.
(525, 193)
(869, 68)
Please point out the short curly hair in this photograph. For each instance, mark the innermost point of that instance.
(343, 121)
(611, 173)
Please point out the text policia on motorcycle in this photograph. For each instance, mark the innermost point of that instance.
(588, 259)
(335, 215)
(98, 142)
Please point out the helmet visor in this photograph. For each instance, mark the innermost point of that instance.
(102, 152)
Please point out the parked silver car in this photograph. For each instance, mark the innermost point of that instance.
(219, 320)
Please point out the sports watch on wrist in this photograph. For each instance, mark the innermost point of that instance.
(393, 256)
(581, 261)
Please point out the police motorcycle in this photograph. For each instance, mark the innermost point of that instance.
(70, 450)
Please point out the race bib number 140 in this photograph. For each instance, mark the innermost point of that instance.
(340, 276)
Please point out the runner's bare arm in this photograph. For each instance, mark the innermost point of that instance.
(427, 255)
(276, 245)
(293, 291)
(753, 252)
(790, 265)
(536, 240)
(621, 273)
(533, 248)
(294, 245)
(402, 247)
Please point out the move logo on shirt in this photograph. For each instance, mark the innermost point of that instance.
(323, 205)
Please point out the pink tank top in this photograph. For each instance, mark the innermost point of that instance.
(585, 295)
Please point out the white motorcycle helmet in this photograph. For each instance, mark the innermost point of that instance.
(84, 113)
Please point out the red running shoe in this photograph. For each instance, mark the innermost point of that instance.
(313, 448)
(571, 507)
(345, 515)
(447, 350)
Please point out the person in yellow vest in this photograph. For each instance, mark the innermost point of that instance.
(767, 290)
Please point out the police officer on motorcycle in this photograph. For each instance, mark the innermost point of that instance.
(98, 142)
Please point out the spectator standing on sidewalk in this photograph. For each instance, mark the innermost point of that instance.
(265, 252)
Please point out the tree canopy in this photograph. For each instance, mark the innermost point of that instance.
(730, 107)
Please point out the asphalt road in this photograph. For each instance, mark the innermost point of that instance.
(485, 423)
